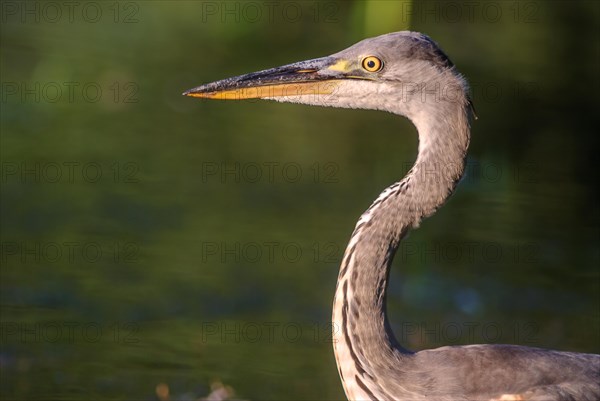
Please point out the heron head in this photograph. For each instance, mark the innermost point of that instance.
(393, 72)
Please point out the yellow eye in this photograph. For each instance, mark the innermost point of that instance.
(372, 64)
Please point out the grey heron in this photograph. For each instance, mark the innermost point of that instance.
(406, 73)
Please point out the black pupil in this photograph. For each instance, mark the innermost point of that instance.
(370, 63)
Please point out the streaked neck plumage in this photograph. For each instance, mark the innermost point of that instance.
(364, 345)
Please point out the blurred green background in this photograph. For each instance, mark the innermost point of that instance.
(151, 239)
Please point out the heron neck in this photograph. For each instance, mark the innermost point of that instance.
(363, 339)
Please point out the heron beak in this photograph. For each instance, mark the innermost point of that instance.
(313, 77)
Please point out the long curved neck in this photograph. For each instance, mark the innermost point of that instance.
(364, 344)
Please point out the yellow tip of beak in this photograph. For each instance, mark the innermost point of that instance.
(269, 91)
